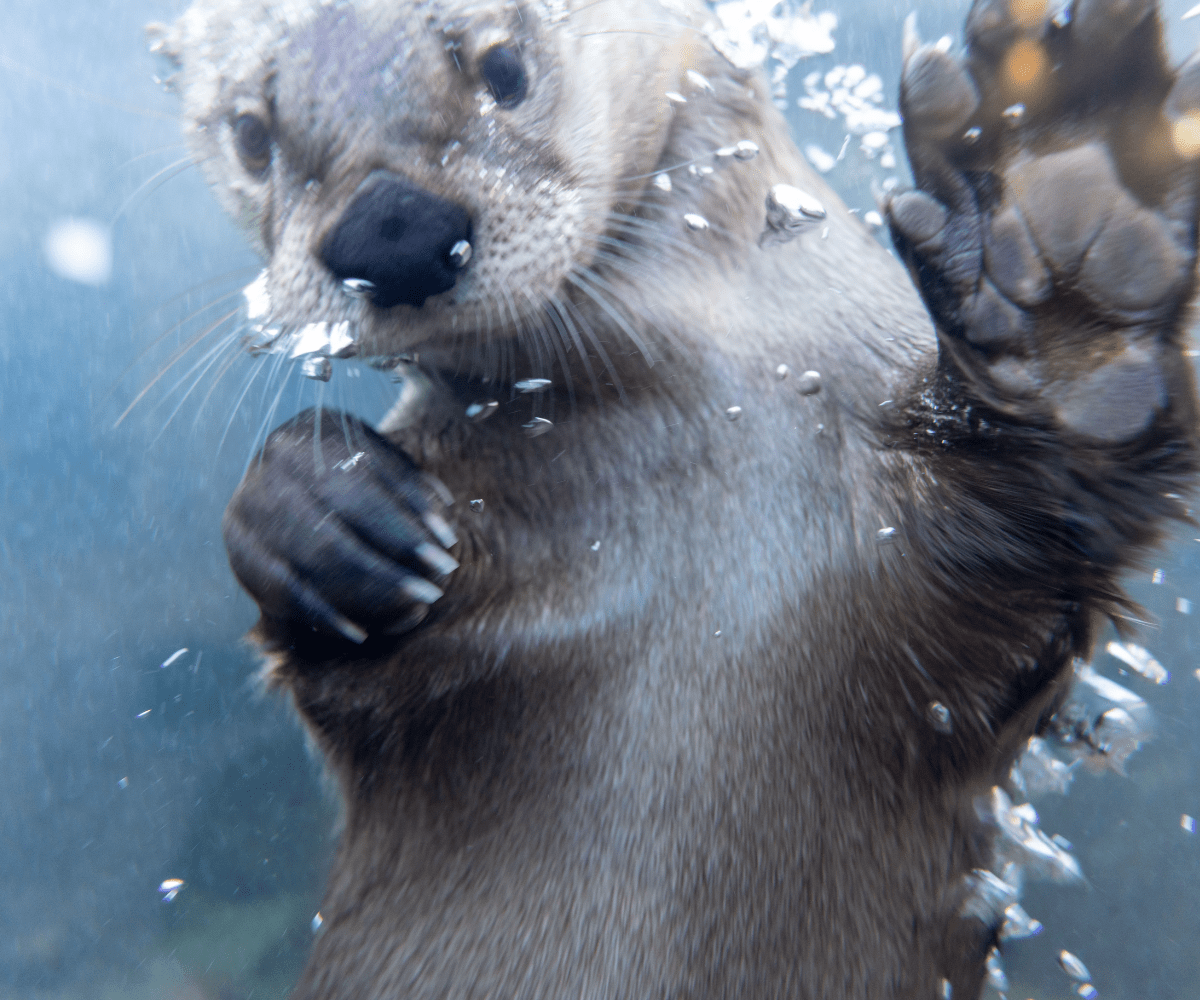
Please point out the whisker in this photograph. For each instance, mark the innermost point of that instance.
(233, 358)
(205, 361)
(261, 433)
(581, 280)
(154, 152)
(173, 361)
(171, 171)
(564, 310)
(166, 333)
(67, 88)
(214, 355)
(259, 364)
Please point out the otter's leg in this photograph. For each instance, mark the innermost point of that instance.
(1054, 233)
(1053, 239)
(336, 533)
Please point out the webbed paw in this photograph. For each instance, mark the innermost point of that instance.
(1053, 235)
(334, 528)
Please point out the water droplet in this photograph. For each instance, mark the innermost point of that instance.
(533, 385)
(1018, 924)
(996, 978)
(358, 288)
(717, 634)
(885, 535)
(477, 506)
(1014, 113)
(694, 222)
(479, 412)
(173, 657)
(809, 383)
(733, 413)
(1073, 967)
(595, 546)
(782, 372)
(1140, 660)
(460, 254)
(745, 150)
(1188, 823)
(790, 212)
(873, 219)
(318, 369)
(939, 717)
(123, 783)
(537, 427)
(700, 82)
(662, 182)
(317, 921)
(675, 97)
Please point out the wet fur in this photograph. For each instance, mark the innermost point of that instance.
(696, 761)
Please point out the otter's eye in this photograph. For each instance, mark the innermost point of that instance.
(505, 75)
(253, 142)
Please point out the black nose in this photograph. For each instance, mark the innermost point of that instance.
(399, 238)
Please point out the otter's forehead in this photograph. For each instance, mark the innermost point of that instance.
(330, 49)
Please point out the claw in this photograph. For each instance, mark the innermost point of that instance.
(937, 95)
(911, 40)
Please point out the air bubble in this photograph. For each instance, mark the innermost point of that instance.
(317, 921)
(745, 150)
(1073, 967)
(782, 372)
(694, 222)
(996, 978)
(662, 182)
(939, 717)
(1014, 113)
(477, 413)
(477, 506)
(537, 427)
(809, 383)
(460, 254)
(358, 288)
(1188, 823)
(700, 82)
(533, 385)
(318, 369)
(1018, 924)
(790, 212)
(595, 546)
(733, 413)
(885, 535)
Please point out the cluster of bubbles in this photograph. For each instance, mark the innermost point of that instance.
(1097, 729)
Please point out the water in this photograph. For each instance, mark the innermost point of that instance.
(111, 565)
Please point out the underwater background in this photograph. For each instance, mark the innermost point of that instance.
(135, 746)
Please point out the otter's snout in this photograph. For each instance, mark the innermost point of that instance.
(409, 244)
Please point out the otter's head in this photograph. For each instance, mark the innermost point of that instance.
(425, 170)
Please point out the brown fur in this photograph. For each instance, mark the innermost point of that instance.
(694, 761)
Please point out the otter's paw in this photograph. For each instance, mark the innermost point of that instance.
(335, 529)
(1053, 237)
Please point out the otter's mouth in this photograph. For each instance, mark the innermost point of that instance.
(311, 343)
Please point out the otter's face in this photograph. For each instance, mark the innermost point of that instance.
(423, 171)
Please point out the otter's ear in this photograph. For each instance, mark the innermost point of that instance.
(164, 40)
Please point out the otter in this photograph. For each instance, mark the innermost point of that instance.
(708, 575)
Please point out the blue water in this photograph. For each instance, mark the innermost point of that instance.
(111, 560)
